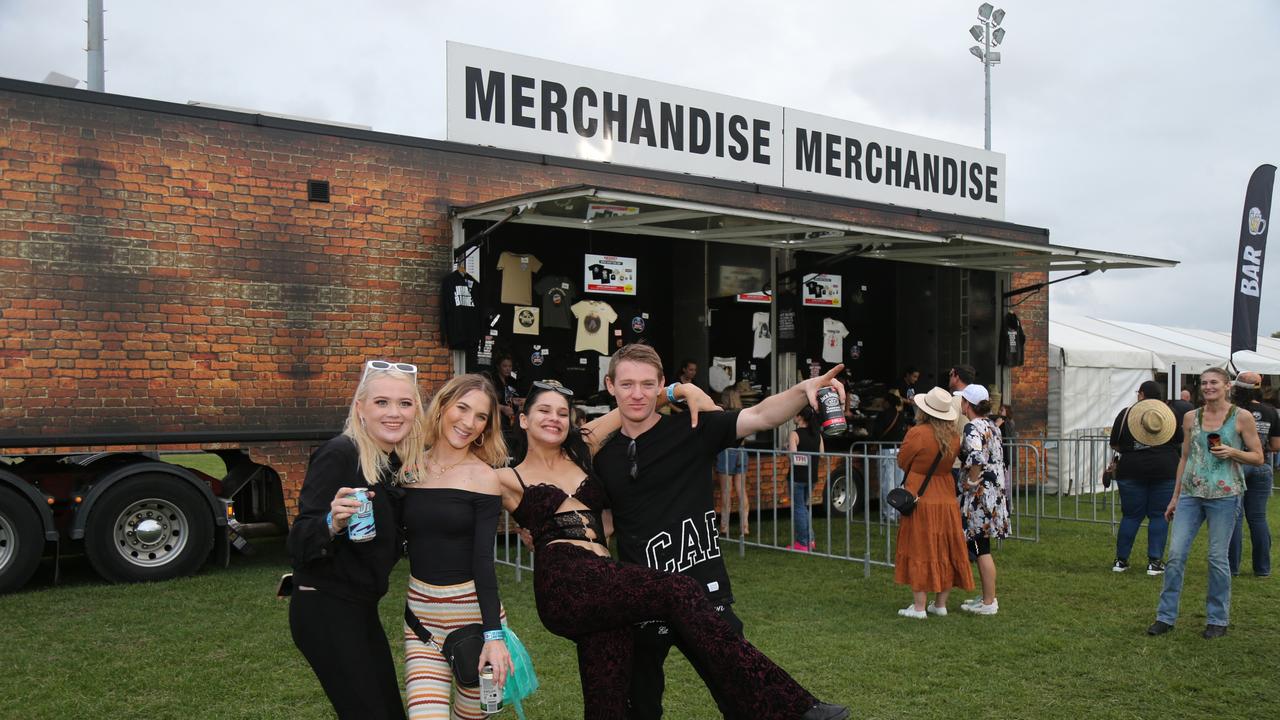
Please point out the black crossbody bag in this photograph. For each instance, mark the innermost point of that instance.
(461, 648)
(901, 498)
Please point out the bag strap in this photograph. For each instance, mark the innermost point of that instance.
(929, 476)
(417, 627)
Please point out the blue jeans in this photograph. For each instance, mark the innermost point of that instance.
(1190, 514)
(800, 492)
(1257, 480)
(1143, 499)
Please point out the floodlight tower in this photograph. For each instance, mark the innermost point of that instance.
(990, 34)
(97, 68)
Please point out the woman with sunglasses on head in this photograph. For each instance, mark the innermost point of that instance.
(338, 580)
(451, 507)
(584, 595)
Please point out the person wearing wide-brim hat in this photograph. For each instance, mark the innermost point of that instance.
(931, 555)
(1146, 438)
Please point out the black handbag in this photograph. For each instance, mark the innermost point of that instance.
(461, 648)
(901, 498)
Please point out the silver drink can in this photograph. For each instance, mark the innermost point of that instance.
(490, 695)
(361, 528)
(832, 413)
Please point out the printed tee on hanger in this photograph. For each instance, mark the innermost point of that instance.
(762, 344)
(722, 373)
(517, 269)
(558, 294)
(461, 318)
(593, 325)
(833, 334)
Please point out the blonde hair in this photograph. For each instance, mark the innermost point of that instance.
(492, 449)
(944, 431)
(636, 353)
(373, 461)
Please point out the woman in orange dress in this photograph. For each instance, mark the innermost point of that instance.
(931, 554)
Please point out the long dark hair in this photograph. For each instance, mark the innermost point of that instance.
(574, 446)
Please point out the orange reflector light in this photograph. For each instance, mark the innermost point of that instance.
(48, 500)
(79, 499)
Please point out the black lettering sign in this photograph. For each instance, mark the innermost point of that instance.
(760, 131)
(931, 173)
(581, 97)
(975, 181)
(833, 154)
(615, 118)
(737, 127)
(491, 98)
(521, 101)
(892, 165)
(672, 126)
(699, 131)
(874, 153)
(853, 158)
(912, 177)
(553, 100)
(950, 178)
(642, 123)
(808, 145)
(991, 184)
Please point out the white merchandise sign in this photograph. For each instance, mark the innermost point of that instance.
(609, 274)
(820, 291)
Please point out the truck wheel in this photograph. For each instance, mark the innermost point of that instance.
(21, 540)
(150, 527)
(844, 494)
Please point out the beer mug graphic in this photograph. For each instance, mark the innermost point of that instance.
(1257, 225)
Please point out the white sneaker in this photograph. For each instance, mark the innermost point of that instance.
(933, 610)
(910, 611)
(984, 609)
(971, 602)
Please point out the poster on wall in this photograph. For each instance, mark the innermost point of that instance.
(820, 291)
(609, 275)
(605, 210)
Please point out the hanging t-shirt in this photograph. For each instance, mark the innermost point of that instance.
(593, 325)
(762, 345)
(722, 373)
(833, 334)
(558, 294)
(524, 321)
(517, 270)
(461, 320)
(1013, 341)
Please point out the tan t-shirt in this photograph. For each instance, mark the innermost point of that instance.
(593, 325)
(517, 270)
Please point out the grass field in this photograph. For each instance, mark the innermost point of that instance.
(1068, 642)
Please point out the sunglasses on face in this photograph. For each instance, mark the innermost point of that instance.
(631, 457)
(388, 365)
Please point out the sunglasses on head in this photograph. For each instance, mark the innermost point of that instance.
(388, 365)
(550, 385)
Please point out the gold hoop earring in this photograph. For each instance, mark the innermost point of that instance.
(479, 441)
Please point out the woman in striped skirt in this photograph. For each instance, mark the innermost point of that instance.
(451, 510)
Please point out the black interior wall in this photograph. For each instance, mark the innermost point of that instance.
(867, 309)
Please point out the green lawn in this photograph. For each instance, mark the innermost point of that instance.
(1068, 642)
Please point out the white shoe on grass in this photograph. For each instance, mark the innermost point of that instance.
(934, 610)
(982, 608)
(910, 611)
(971, 602)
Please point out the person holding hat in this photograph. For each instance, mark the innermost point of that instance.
(983, 504)
(931, 554)
(1246, 391)
(1146, 437)
(1217, 440)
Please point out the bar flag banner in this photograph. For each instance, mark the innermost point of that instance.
(1253, 240)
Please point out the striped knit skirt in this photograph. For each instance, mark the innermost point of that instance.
(432, 693)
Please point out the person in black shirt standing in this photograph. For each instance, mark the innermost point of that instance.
(657, 473)
(1148, 439)
(1247, 393)
(333, 611)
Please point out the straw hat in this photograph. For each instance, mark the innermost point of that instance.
(937, 403)
(1152, 422)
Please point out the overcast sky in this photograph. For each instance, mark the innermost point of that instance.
(1127, 126)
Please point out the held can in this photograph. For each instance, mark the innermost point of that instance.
(362, 528)
(831, 412)
(490, 696)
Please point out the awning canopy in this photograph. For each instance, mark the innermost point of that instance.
(1092, 342)
(582, 207)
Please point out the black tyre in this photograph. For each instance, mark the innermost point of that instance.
(844, 493)
(21, 540)
(150, 527)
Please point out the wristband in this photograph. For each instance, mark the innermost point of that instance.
(671, 395)
(328, 521)
(490, 635)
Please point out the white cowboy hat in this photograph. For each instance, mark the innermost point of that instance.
(1151, 422)
(937, 402)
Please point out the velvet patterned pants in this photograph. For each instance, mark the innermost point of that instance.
(595, 601)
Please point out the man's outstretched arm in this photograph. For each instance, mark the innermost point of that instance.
(781, 407)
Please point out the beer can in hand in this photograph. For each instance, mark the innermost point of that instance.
(832, 412)
(490, 695)
(361, 528)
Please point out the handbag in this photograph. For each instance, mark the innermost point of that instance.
(461, 648)
(901, 498)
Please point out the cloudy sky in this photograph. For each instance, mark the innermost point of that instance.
(1127, 126)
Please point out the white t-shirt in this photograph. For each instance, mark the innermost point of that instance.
(593, 325)
(762, 345)
(516, 271)
(833, 334)
(722, 373)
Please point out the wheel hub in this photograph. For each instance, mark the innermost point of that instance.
(8, 541)
(150, 532)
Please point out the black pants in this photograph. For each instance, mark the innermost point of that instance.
(653, 641)
(347, 648)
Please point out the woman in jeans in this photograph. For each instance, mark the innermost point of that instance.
(1147, 438)
(1257, 478)
(1218, 439)
(804, 443)
(731, 468)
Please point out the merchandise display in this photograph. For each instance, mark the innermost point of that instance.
(524, 321)
(833, 334)
(594, 318)
(762, 344)
(558, 294)
(517, 270)
(461, 319)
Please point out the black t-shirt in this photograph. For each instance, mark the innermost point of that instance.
(1144, 462)
(450, 534)
(461, 319)
(1268, 424)
(665, 518)
(558, 294)
(1180, 407)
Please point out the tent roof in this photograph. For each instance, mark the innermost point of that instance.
(1093, 342)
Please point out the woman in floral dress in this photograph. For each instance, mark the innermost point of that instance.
(983, 504)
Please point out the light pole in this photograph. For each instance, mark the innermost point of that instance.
(990, 34)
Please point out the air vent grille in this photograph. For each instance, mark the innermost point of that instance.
(318, 191)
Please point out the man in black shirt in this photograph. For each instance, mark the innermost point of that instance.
(1247, 393)
(657, 472)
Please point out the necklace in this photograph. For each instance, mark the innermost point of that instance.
(439, 470)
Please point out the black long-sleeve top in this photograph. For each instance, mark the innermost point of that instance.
(335, 564)
(451, 535)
